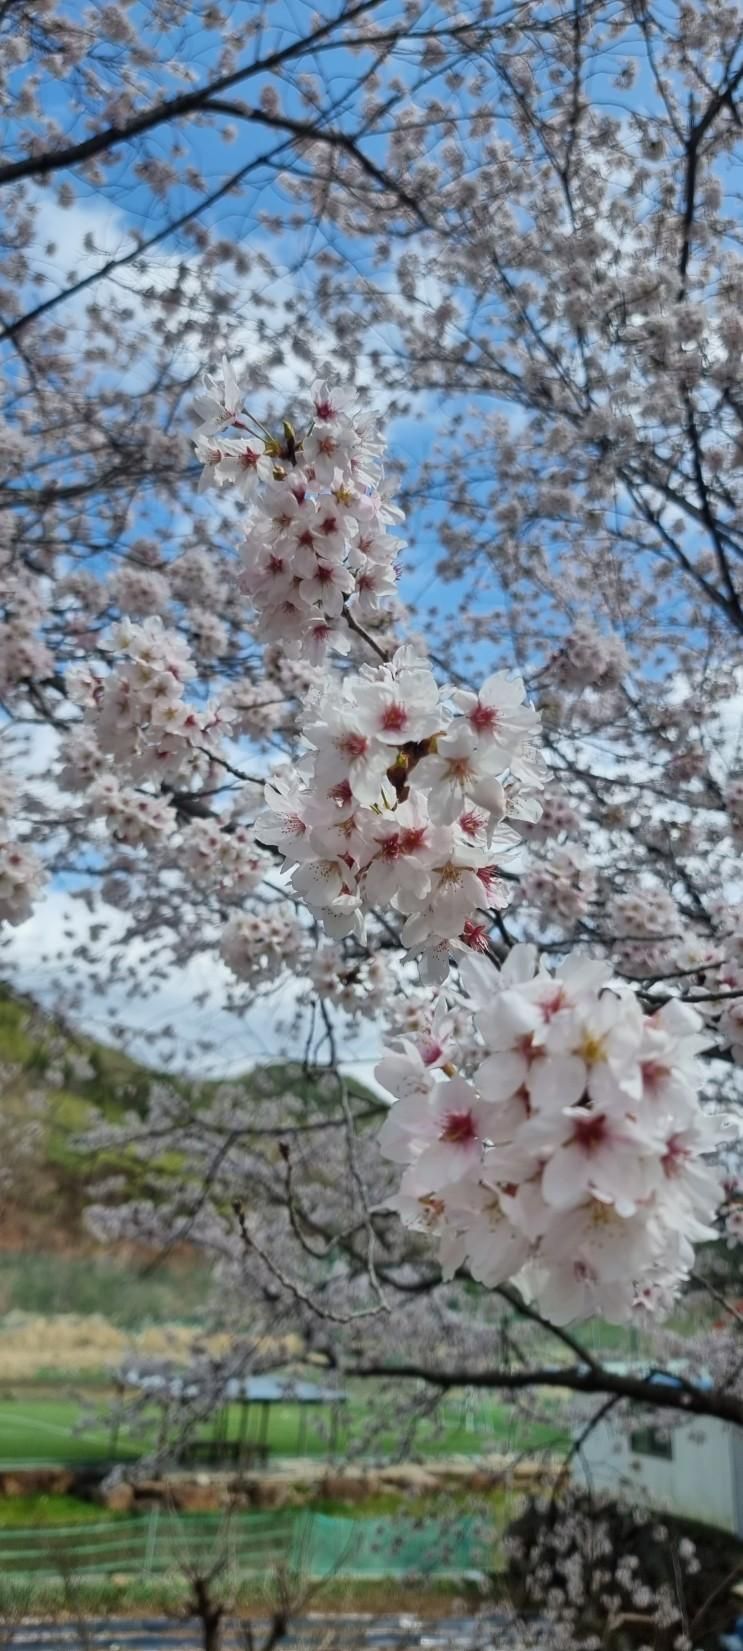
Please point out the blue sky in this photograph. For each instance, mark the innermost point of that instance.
(108, 213)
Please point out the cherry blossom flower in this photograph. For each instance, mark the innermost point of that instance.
(461, 769)
(439, 1136)
(498, 714)
(585, 1178)
(259, 945)
(219, 403)
(21, 879)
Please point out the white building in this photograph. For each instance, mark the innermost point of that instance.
(693, 1468)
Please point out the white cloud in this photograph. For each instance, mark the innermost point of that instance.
(41, 958)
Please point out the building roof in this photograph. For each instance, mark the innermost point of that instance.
(676, 1373)
(190, 1384)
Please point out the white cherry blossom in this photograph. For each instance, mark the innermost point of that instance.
(586, 1178)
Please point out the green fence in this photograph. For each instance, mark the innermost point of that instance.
(395, 1547)
(255, 1544)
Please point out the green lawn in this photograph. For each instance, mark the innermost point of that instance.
(495, 1427)
(42, 1512)
(42, 1430)
(36, 1429)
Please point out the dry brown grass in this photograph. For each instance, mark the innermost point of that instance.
(87, 1343)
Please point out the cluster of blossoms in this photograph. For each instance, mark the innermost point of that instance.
(24, 656)
(591, 659)
(558, 817)
(729, 1015)
(730, 1026)
(81, 759)
(317, 541)
(647, 926)
(258, 708)
(257, 946)
(210, 636)
(574, 1160)
(21, 874)
(563, 886)
(195, 580)
(224, 854)
(138, 708)
(132, 817)
(360, 986)
(601, 1564)
(139, 590)
(715, 960)
(429, 1021)
(434, 1025)
(402, 802)
(734, 806)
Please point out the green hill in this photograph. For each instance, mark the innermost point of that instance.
(56, 1083)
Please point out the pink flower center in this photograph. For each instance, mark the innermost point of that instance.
(552, 1005)
(591, 1133)
(654, 1074)
(353, 745)
(674, 1157)
(470, 823)
(530, 1050)
(459, 768)
(475, 935)
(340, 793)
(324, 409)
(459, 1129)
(394, 718)
(411, 839)
(324, 574)
(482, 717)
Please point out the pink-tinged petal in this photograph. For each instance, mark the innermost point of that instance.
(501, 1075)
(402, 1077)
(452, 1253)
(520, 965)
(500, 689)
(566, 1177)
(434, 965)
(556, 1082)
(614, 1089)
(480, 979)
(510, 1016)
(319, 880)
(440, 1164)
(393, 1143)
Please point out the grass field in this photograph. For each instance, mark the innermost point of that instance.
(44, 1512)
(126, 1295)
(109, 1596)
(47, 1429)
(43, 1430)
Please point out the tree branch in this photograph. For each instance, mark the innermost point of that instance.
(686, 1398)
